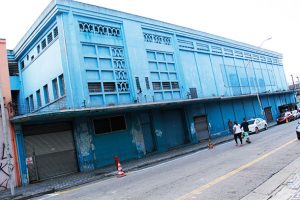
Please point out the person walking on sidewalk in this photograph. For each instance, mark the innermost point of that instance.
(245, 129)
(237, 133)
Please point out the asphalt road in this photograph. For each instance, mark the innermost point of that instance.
(226, 172)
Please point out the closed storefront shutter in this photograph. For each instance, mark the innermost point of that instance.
(174, 127)
(51, 148)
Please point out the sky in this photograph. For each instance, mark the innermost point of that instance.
(248, 21)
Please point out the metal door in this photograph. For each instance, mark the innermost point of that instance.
(174, 128)
(268, 113)
(147, 133)
(201, 127)
(51, 149)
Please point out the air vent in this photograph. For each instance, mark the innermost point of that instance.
(94, 87)
(193, 92)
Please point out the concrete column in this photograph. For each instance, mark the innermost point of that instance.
(137, 134)
(84, 144)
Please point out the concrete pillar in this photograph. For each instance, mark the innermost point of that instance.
(84, 144)
(137, 134)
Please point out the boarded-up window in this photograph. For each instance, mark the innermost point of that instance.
(106, 125)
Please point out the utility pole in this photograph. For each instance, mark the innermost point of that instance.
(294, 89)
(257, 86)
(6, 142)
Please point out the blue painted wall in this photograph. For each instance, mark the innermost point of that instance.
(120, 143)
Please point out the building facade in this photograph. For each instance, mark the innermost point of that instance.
(9, 168)
(94, 83)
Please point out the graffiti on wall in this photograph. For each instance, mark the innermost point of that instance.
(5, 168)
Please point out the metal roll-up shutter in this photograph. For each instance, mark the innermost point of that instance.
(174, 127)
(51, 149)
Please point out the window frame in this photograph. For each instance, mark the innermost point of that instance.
(46, 94)
(55, 89)
(110, 125)
(62, 86)
(38, 98)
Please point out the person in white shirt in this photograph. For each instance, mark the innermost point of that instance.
(237, 132)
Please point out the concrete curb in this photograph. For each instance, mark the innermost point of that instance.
(273, 185)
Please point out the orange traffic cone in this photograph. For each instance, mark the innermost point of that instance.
(120, 170)
(210, 144)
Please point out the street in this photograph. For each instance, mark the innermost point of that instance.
(225, 172)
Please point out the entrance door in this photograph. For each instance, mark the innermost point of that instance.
(147, 133)
(268, 114)
(51, 150)
(174, 127)
(201, 127)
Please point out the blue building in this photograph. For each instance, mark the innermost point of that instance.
(94, 83)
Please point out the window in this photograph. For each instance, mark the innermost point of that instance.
(175, 85)
(138, 85)
(38, 48)
(38, 98)
(27, 104)
(109, 87)
(55, 88)
(46, 94)
(55, 32)
(156, 86)
(44, 43)
(31, 103)
(62, 87)
(147, 83)
(27, 57)
(13, 68)
(49, 37)
(22, 65)
(166, 85)
(106, 125)
(32, 57)
(94, 87)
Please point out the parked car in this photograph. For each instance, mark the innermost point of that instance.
(285, 117)
(296, 114)
(257, 124)
(298, 131)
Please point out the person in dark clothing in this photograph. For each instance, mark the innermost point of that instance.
(245, 128)
(245, 125)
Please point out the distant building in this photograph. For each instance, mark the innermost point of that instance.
(94, 83)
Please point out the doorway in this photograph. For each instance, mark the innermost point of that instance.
(201, 127)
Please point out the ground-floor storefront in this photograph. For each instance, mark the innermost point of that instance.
(89, 140)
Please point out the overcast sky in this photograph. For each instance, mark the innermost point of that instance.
(248, 21)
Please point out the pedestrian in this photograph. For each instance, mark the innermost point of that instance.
(237, 133)
(245, 130)
(230, 126)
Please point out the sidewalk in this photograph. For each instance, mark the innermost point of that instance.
(285, 185)
(61, 183)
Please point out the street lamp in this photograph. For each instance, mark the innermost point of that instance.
(256, 83)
